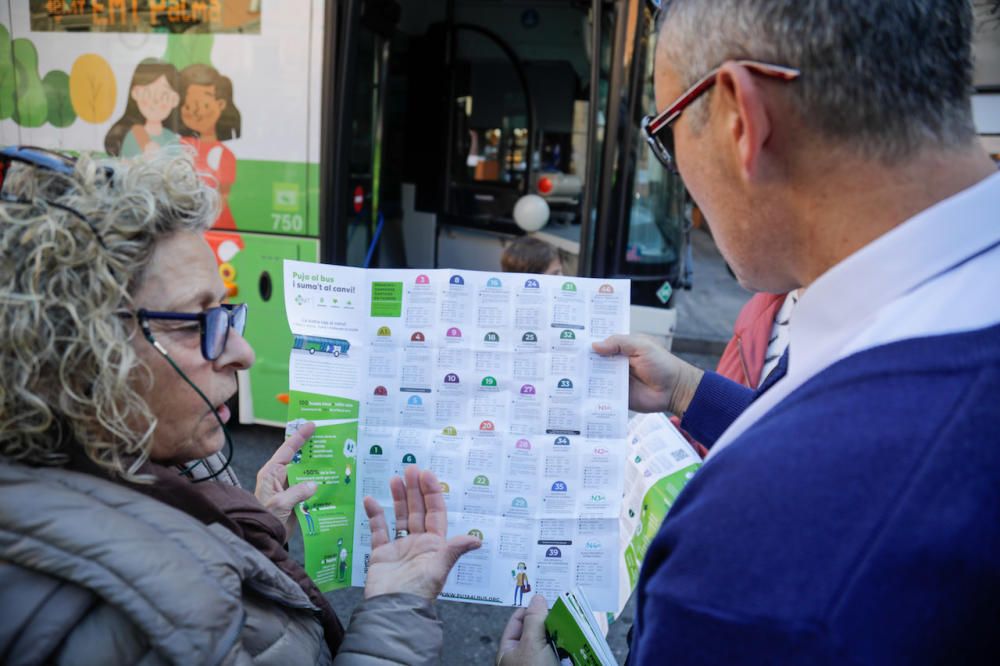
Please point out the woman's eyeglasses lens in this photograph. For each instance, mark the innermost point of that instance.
(216, 332)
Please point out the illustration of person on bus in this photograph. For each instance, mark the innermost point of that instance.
(150, 120)
(521, 585)
(209, 117)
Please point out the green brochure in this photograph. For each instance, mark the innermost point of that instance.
(574, 634)
(328, 458)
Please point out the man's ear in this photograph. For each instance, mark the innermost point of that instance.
(749, 119)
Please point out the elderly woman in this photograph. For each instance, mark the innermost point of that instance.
(117, 357)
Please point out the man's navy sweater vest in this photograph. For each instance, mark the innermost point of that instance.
(857, 522)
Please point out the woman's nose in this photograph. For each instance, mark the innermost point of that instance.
(238, 354)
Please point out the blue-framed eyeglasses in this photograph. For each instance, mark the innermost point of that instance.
(213, 322)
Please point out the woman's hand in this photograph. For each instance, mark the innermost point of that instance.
(523, 642)
(272, 480)
(658, 380)
(418, 563)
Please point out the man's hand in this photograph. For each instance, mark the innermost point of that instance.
(272, 480)
(658, 380)
(418, 563)
(523, 642)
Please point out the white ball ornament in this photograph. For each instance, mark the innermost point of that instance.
(531, 212)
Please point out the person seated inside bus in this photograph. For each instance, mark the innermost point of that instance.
(528, 254)
(116, 362)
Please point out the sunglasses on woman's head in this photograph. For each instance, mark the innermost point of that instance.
(47, 160)
(214, 324)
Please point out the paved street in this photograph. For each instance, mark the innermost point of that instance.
(706, 313)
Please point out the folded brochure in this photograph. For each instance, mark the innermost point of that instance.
(660, 463)
(574, 634)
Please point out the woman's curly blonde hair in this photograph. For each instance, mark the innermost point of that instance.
(67, 366)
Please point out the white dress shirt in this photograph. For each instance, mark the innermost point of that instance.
(937, 273)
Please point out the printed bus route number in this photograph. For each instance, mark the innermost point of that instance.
(287, 222)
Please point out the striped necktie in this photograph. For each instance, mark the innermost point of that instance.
(779, 371)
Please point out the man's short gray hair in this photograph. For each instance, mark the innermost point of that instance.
(885, 77)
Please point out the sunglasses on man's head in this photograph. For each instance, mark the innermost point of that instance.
(658, 129)
(214, 324)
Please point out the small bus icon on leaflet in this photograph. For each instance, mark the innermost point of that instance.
(334, 346)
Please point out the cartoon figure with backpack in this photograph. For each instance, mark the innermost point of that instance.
(521, 585)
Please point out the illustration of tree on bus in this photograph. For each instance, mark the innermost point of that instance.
(150, 120)
(209, 117)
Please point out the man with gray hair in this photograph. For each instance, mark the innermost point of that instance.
(849, 510)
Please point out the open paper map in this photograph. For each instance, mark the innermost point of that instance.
(489, 380)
